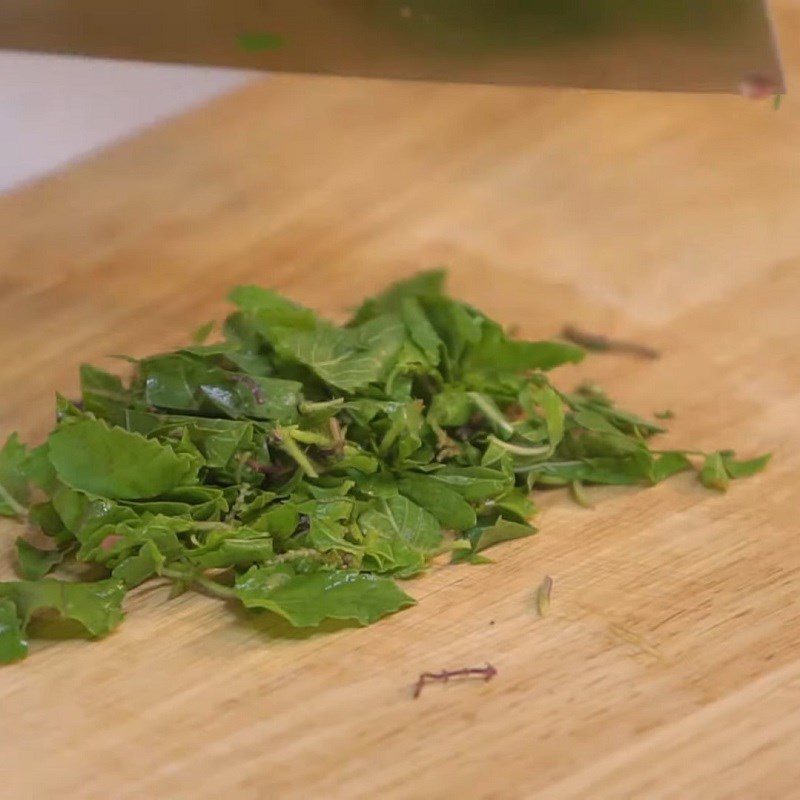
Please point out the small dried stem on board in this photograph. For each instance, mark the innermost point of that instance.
(543, 595)
(599, 343)
(487, 673)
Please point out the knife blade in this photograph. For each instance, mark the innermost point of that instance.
(667, 45)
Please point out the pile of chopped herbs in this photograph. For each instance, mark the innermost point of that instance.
(302, 467)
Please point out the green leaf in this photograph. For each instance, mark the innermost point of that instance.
(103, 393)
(458, 326)
(451, 408)
(553, 408)
(329, 524)
(128, 539)
(471, 558)
(503, 530)
(280, 521)
(66, 410)
(97, 606)
(202, 333)
(718, 469)
(631, 423)
(269, 310)
(419, 328)
(241, 547)
(91, 456)
(423, 284)
(669, 464)
(403, 437)
(181, 382)
(45, 517)
(617, 471)
(137, 568)
(13, 644)
(475, 484)
(514, 505)
(591, 434)
(89, 519)
(744, 469)
(194, 502)
(327, 535)
(34, 563)
(39, 470)
(499, 355)
(488, 535)
(345, 358)
(307, 600)
(218, 440)
(713, 473)
(589, 398)
(362, 411)
(551, 404)
(407, 521)
(382, 485)
(594, 421)
(13, 479)
(399, 535)
(449, 508)
(353, 458)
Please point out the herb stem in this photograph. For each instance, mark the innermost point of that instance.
(543, 595)
(312, 407)
(491, 411)
(521, 450)
(579, 494)
(291, 555)
(225, 592)
(290, 447)
(15, 506)
(212, 525)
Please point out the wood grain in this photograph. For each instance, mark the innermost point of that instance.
(669, 665)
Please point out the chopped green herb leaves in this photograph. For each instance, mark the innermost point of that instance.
(301, 468)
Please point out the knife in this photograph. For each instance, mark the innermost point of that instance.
(668, 45)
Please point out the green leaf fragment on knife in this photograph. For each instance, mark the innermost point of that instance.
(258, 41)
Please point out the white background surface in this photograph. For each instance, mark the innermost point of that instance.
(54, 109)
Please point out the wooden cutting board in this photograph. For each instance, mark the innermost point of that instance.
(669, 666)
